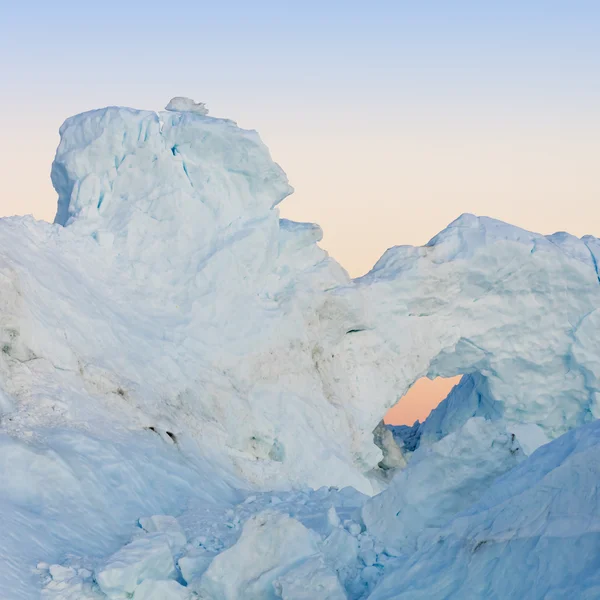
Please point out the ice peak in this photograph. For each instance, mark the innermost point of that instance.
(141, 181)
(182, 104)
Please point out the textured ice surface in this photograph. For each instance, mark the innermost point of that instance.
(534, 533)
(71, 491)
(440, 480)
(491, 300)
(170, 342)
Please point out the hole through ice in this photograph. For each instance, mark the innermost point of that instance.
(420, 400)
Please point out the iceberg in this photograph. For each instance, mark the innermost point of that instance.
(189, 384)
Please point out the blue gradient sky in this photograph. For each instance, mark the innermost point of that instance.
(390, 118)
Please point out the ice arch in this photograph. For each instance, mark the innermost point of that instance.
(517, 314)
(516, 308)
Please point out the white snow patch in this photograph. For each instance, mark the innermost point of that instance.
(181, 104)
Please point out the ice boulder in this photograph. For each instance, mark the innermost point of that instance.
(68, 583)
(181, 104)
(193, 565)
(271, 544)
(340, 553)
(148, 557)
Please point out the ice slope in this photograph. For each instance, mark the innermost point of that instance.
(440, 480)
(71, 491)
(533, 534)
(170, 340)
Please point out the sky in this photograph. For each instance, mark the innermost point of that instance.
(391, 118)
(417, 403)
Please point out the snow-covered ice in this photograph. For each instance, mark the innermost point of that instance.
(191, 390)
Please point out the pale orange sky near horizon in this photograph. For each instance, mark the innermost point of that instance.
(417, 403)
(372, 187)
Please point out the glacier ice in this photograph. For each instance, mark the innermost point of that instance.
(180, 364)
